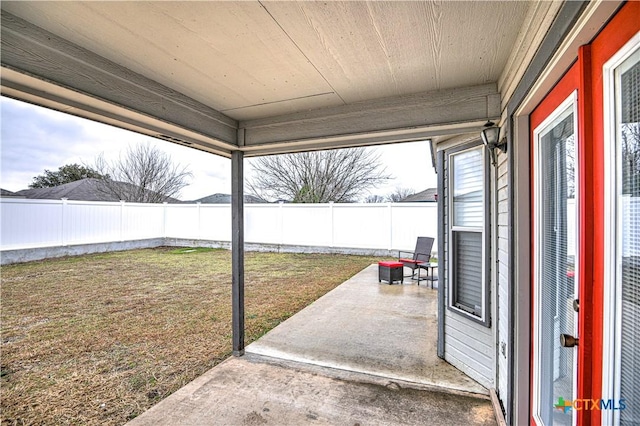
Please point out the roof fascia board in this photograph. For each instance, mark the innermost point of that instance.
(458, 140)
(577, 23)
(32, 51)
(38, 92)
(413, 113)
(365, 139)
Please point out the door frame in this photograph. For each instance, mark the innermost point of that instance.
(570, 102)
(601, 28)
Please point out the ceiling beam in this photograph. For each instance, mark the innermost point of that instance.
(365, 139)
(34, 52)
(396, 119)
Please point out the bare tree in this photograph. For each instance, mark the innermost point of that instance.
(317, 177)
(400, 194)
(374, 198)
(144, 174)
(631, 159)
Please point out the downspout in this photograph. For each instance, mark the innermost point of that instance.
(510, 417)
(495, 264)
(441, 259)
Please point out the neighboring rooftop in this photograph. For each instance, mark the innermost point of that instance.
(428, 195)
(89, 189)
(226, 199)
(7, 193)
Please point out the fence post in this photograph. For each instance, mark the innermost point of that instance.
(164, 219)
(390, 226)
(198, 236)
(281, 219)
(121, 220)
(331, 223)
(63, 240)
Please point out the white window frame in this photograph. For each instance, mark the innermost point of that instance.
(570, 102)
(612, 317)
(484, 317)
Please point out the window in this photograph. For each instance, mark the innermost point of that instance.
(468, 293)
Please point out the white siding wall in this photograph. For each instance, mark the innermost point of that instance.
(503, 278)
(469, 347)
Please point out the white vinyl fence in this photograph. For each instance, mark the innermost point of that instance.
(27, 224)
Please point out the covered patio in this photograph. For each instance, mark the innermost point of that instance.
(247, 79)
(365, 353)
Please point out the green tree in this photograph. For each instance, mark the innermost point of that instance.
(65, 174)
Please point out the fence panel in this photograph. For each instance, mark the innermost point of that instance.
(307, 224)
(631, 224)
(571, 227)
(411, 220)
(362, 226)
(262, 223)
(142, 221)
(182, 221)
(215, 222)
(92, 222)
(30, 223)
(46, 223)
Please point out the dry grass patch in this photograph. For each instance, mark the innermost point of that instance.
(99, 339)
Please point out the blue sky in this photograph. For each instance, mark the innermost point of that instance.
(34, 139)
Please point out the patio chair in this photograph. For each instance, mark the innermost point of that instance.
(420, 258)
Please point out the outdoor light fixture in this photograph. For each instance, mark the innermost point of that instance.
(491, 139)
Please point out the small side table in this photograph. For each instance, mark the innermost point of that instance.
(430, 267)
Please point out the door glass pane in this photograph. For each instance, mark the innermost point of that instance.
(556, 270)
(628, 125)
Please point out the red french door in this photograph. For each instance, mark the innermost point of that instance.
(555, 153)
(568, 286)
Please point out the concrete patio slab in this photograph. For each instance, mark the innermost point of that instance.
(363, 354)
(369, 327)
(250, 391)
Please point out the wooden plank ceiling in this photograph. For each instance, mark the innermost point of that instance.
(265, 77)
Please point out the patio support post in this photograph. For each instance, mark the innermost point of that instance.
(237, 251)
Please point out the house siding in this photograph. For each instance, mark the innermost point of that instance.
(468, 345)
(502, 275)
